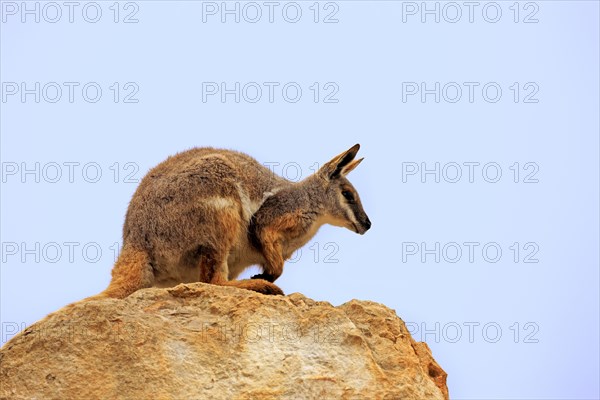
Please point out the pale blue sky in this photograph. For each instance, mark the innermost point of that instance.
(502, 329)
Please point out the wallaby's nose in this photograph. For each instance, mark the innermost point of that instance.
(367, 224)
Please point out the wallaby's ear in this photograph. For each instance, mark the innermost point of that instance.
(333, 169)
(348, 168)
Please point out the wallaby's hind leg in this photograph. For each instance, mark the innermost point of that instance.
(131, 272)
(216, 273)
(215, 251)
(257, 285)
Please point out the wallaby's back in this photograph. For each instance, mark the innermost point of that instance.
(175, 200)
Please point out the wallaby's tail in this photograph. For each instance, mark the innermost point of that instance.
(131, 272)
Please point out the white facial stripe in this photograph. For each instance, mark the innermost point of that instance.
(352, 217)
(349, 212)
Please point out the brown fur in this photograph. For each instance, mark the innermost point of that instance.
(206, 214)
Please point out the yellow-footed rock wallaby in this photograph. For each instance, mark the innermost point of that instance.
(206, 214)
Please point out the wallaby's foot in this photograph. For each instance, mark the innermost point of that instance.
(265, 276)
(266, 287)
(257, 285)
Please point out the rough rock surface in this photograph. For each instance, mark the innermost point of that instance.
(200, 341)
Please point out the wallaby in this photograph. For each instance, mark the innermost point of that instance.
(206, 214)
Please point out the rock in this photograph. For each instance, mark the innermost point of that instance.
(200, 341)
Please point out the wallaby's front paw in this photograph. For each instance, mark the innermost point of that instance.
(265, 276)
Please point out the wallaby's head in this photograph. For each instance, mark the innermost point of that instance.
(341, 201)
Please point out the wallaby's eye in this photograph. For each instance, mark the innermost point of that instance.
(348, 195)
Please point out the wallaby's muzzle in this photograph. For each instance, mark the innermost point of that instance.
(365, 225)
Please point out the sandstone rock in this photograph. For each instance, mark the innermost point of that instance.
(201, 341)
